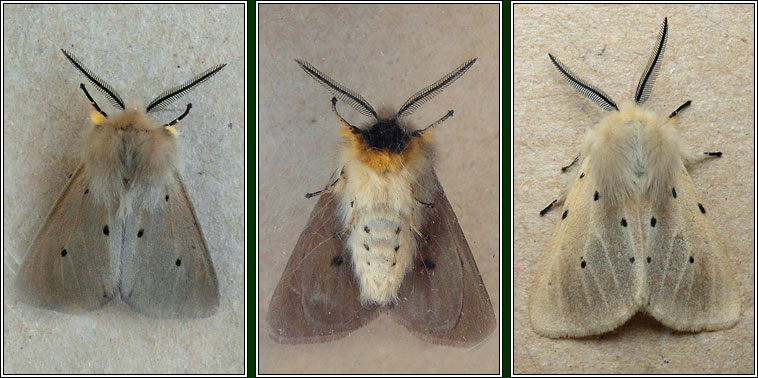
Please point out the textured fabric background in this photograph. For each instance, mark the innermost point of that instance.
(141, 50)
(386, 53)
(709, 59)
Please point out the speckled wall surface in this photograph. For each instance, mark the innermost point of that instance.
(141, 50)
(710, 60)
(386, 53)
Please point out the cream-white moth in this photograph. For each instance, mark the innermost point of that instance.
(633, 235)
(124, 225)
(382, 238)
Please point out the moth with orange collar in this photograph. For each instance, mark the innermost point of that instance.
(382, 238)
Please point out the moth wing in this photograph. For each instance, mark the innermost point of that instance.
(69, 267)
(166, 270)
(589, 281)
(316, 299)
(691, 284)
(447, 302)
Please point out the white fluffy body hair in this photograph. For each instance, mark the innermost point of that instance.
(632, 152)
(129, 161)
(371, 197)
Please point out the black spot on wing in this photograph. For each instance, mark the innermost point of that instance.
(673, 192)
(64, 252)
(140, 233)
(429, 264)
(565, 214)
(692, 259)
(596, 196)
(106, 231)
(337, 261)
(653, 221)
(623, 222)
(702, 209)
(649, 259)
(581, 176)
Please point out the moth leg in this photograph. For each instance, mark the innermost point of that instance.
(92, 101)
(328, 188)
(696, 158)
(174, 122)
(422, 131)
(341, 120)
(679, 109)
(547, 208)
(564, 169)
(416, 229)
(349, 225)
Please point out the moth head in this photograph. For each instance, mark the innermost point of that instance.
(386, 142)
(644, 86)
(134, 118)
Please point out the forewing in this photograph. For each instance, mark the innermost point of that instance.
(316, 299)
(589, 281)
(166, 270)
(443, 299)
(692, 287)
(69, 267)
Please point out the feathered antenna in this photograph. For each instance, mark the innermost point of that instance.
(588, 90)
(653, 65)
(426, 94)
(99, 83)
(355, 100)
(178, 91)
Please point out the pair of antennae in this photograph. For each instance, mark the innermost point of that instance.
(160, 102)
(357, 102)
(644, 87)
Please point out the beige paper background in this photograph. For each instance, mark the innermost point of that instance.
(141, 50)
(709, 59)
(386, 53)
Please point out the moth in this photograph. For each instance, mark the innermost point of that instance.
(124, 225)
(633, 235)
(382, 238)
